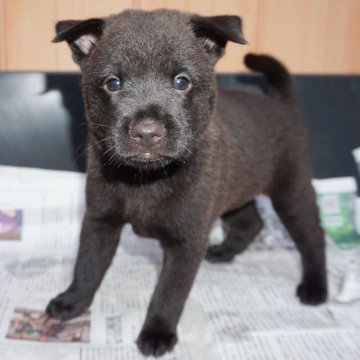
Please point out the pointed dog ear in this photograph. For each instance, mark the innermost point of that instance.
(216, 31)
(82, 36)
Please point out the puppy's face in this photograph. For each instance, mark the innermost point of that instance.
(148, 81)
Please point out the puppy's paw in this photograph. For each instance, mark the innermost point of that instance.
(66, 306)
(156, 338)
(219, 254)
(311, 293)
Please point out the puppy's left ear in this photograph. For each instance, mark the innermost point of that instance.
(216, 31)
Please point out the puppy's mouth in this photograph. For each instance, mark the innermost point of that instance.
(147, 158)
(120, 153)
(140, 154)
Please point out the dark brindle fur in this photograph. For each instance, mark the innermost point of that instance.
(171, 161)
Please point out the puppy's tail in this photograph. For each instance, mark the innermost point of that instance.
(275, 72)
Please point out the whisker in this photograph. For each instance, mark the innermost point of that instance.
(100, 125)
(105, 139)
(79, 154)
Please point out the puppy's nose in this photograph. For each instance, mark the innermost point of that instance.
(147, 133)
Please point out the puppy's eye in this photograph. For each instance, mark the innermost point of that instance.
(181, 82)
(113, 84)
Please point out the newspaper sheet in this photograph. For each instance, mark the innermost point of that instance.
(243, 310)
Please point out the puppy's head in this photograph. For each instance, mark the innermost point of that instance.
(148, 81)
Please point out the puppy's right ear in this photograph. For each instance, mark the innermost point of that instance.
(82, 36)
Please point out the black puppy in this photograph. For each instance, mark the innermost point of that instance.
(170, 154)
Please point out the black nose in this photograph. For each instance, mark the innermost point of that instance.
(147, 133)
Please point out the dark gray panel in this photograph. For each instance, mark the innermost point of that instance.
(42, 121)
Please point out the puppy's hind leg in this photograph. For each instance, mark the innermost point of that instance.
(244, 224)
(295, 204)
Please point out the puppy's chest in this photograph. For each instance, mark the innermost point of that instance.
(143, 207)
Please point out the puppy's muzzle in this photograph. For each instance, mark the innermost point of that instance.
(147, 132)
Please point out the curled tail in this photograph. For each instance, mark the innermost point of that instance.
(275, 72)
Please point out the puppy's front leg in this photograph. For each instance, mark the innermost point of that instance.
(98, 242)
(180, 266)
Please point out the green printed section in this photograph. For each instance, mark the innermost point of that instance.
(337, 217)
